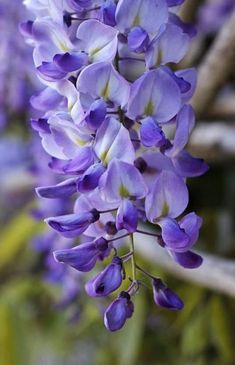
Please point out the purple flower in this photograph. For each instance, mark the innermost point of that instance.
(127, 216)
(98, 40)
(82, 257)
(122, 181)
(101, 80)
(167, 198)
(148, 14)
(90, 179)
(107, 281)
(170, 45)
(61, 190)
(138, 40)
(165, 297)
(118, 312)
(72, 225)
(151, 134)
(156, 95)
(108, 10)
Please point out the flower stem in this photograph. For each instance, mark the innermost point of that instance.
(133, 261)
(147, 233)
(145, 272)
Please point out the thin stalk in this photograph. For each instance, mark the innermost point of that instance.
(145, 272)
(147, 233)
(133, 260)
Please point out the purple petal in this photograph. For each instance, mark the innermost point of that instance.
(72, 225)
(47, 99)
(151, 134)
(107, 281)
(168, 197)
(189, 166)
(127, 216)
(174, 2)
(184, 123)
(101, 80)
(138, 40)
(165, 297)
(188, 260)
(191, 224)
(62, 190)
(96, 114)
(49, 71)
(122, 180)
(69, 62)
(117, 313)
(90, 179)
(82, 257)
(98, 40)
(108, 10)
(174, 236)
(170, 45)
(150, 14)
(190, 76)
(113, 141)
(154, 94)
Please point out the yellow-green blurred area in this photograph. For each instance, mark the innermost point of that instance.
(35, 331)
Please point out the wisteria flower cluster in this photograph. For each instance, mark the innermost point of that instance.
(115, 121)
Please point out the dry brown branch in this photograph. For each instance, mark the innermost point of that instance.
(216, 67)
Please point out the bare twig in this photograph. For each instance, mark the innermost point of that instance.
(216, 67)
(188, 10)
(215, 273)
(223, 107)
(206, 141)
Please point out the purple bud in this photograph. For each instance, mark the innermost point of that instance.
(108, 10)
(138, 40)
(165, 297)
(118, 312)
(151, 134)
(174, 236)
(69, 62)
(110, 228)
(47, 99)
(62, 190)
(107, 281)
(26, 28)
(90, 179)
(49, 71)
(188, 259)
(174, 2)
(82, 257)
(40, 125)
(96, 114)
(141, 165)
(77, 165)
(72, 225)
(79, 5)
(127, 216)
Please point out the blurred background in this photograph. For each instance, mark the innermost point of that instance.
(45, 318)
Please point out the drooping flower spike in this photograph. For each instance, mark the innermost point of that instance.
(109, 98)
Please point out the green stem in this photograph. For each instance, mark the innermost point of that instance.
(133, 261)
